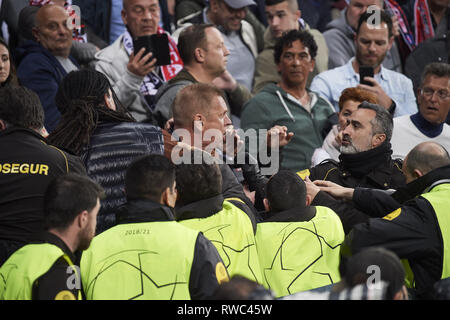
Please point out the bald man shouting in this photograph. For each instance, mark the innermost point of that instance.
(43, 63)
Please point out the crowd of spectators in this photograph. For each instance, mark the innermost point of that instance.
(289, 149)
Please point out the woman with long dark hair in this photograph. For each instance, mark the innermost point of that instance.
(95, 126)
(7, 68)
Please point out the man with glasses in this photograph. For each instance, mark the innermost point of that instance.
(429, 124)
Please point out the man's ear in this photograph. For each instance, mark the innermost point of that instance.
(109, 101)
(266, 205)
(214, 5)
(378, 139)
(165, 196)
(199, 55)
(35, 32)
(298, 14)
(82, 219)
(169, 197)
(2, 125)
(199, 121)
(391, 42)
(417, 173)
(124, 16)
(313, 63)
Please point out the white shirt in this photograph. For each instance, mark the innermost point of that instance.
(406, 136)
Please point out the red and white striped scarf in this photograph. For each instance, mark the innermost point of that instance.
(151, 82)
(423, 25)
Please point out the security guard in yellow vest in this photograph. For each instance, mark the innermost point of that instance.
(148, 255)
(228, 223)
(413, 222)
(298, 245)
(47, 270)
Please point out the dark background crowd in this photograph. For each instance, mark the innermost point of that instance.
(145, 181)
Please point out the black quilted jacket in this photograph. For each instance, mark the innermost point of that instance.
(112, 148)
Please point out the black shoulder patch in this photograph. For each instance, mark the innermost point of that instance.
(398, 163)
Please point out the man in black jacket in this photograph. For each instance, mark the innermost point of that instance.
(413, 222)
(228, 222)
(365, 161)
(27, 165)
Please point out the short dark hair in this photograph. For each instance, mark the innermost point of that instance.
(438, 69)
(286, 190)
(148, 176)
(383, 122)
(425, 159)
(357, 270)
(27, 21)
(206, 177)
(241, 288)
(286, 40)
(191, 38)
(293, 4)
(66, 197)
(384, 17)
(21, 107)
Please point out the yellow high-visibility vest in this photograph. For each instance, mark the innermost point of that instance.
(149, 260)
(25, 266)
(299, 256)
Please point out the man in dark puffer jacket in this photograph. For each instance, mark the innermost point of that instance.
(97, 127)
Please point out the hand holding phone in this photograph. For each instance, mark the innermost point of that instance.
(157, 44)
(141, 63)
(365, 71)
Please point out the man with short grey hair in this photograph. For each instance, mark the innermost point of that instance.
(135, 77)
(429, 123)
(365, 161)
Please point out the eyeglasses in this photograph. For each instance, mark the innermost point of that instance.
(428, 92)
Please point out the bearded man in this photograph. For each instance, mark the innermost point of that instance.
(373, 39)
(365, 161)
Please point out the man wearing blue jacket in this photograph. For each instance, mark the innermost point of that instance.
(44, 63)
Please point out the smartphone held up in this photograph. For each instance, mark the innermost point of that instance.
(365, 71)
(157, 44)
